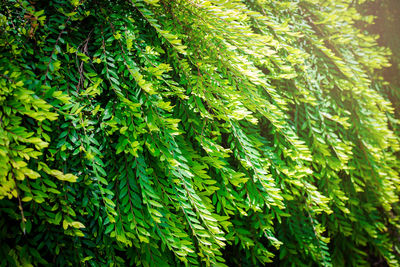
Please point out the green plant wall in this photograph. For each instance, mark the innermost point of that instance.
(194, 133)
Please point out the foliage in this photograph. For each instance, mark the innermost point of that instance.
(386, 16)
(194, 132)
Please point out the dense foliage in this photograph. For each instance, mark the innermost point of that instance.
(194, 132)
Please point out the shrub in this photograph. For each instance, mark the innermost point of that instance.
(193, 132)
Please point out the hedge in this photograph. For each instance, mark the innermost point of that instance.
(195, 133)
